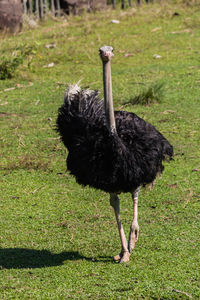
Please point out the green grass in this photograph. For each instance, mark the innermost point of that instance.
(150, 95)
(57, 239)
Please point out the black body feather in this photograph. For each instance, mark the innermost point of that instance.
(106, 161)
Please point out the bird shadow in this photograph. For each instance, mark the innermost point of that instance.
(21, 258)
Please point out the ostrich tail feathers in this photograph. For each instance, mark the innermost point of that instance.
(81, 101)
(81, 108)
(71, 91)
(168, 151)
(75, 89)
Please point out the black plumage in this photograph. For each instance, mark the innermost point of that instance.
(104, 160)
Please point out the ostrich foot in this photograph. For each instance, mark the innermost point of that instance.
(122, 257)
(125, 257)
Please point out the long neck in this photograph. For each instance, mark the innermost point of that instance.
(108, 99)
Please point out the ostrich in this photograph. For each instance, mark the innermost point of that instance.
(115, 151)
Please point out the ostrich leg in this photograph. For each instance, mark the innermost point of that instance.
(124, 254)
(134, 229)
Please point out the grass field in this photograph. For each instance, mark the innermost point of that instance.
(57, 239)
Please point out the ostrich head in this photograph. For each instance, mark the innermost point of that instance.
(106, 53)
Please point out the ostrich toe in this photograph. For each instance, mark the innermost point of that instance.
(118, 257)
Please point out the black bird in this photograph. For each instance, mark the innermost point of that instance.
(115, 151)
